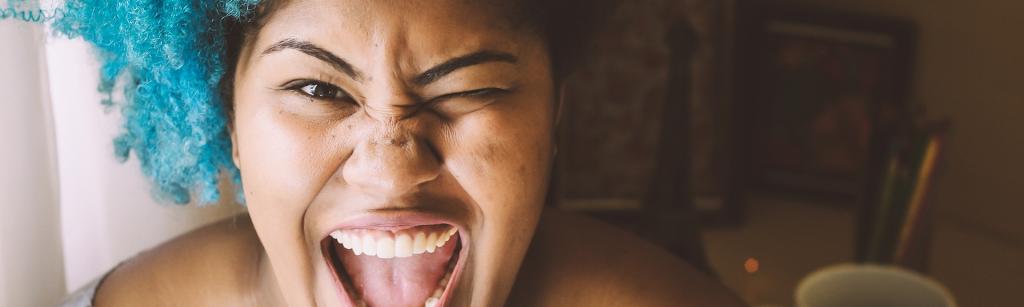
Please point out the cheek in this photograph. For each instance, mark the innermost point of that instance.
(284, 162)
(502, 160)
(282, 155)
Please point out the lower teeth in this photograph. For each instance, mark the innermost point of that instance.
(431, 302)
(434, 299)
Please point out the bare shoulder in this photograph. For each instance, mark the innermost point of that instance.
(578, 261)
(204, 266)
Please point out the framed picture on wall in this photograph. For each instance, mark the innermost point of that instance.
(614, 128)
(816, 91)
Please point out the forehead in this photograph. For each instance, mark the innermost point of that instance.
(439, 27)
(497, 13)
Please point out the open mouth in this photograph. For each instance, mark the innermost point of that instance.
(407, 266)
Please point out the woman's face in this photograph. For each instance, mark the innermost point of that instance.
(385, 145)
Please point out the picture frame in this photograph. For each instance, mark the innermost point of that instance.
(816, 93)
(645, 115)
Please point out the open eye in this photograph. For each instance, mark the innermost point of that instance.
(319, 90)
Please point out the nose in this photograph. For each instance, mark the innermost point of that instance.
(390, 162)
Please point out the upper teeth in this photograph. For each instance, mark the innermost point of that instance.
(390, 244)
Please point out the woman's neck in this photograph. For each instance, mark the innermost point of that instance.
(264, 288)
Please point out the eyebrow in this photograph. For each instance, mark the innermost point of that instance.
(427, 77)
(316, 52)
(452, 65)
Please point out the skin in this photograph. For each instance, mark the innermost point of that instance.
(572, 261)
(395, 144)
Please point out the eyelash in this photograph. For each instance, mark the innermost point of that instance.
(313, 89)
(303, 87)
(483, 92)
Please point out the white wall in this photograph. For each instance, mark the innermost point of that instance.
(30, 248)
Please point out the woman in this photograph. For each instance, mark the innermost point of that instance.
(391, 153)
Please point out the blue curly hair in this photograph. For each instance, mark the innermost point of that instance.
(169, 56)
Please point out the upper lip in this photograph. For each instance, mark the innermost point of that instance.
(393, 220)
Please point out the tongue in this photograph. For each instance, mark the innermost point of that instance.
(405, 281)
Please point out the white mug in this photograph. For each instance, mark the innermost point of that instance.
(870, 285)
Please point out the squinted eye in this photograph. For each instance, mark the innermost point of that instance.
(478, 93)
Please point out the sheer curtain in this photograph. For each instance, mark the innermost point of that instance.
(68, 211)
(31, 272)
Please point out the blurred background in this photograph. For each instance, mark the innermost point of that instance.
(804, 134)
(761, 140)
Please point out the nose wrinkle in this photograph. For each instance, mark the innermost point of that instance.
(389, 133)
(393, 111)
